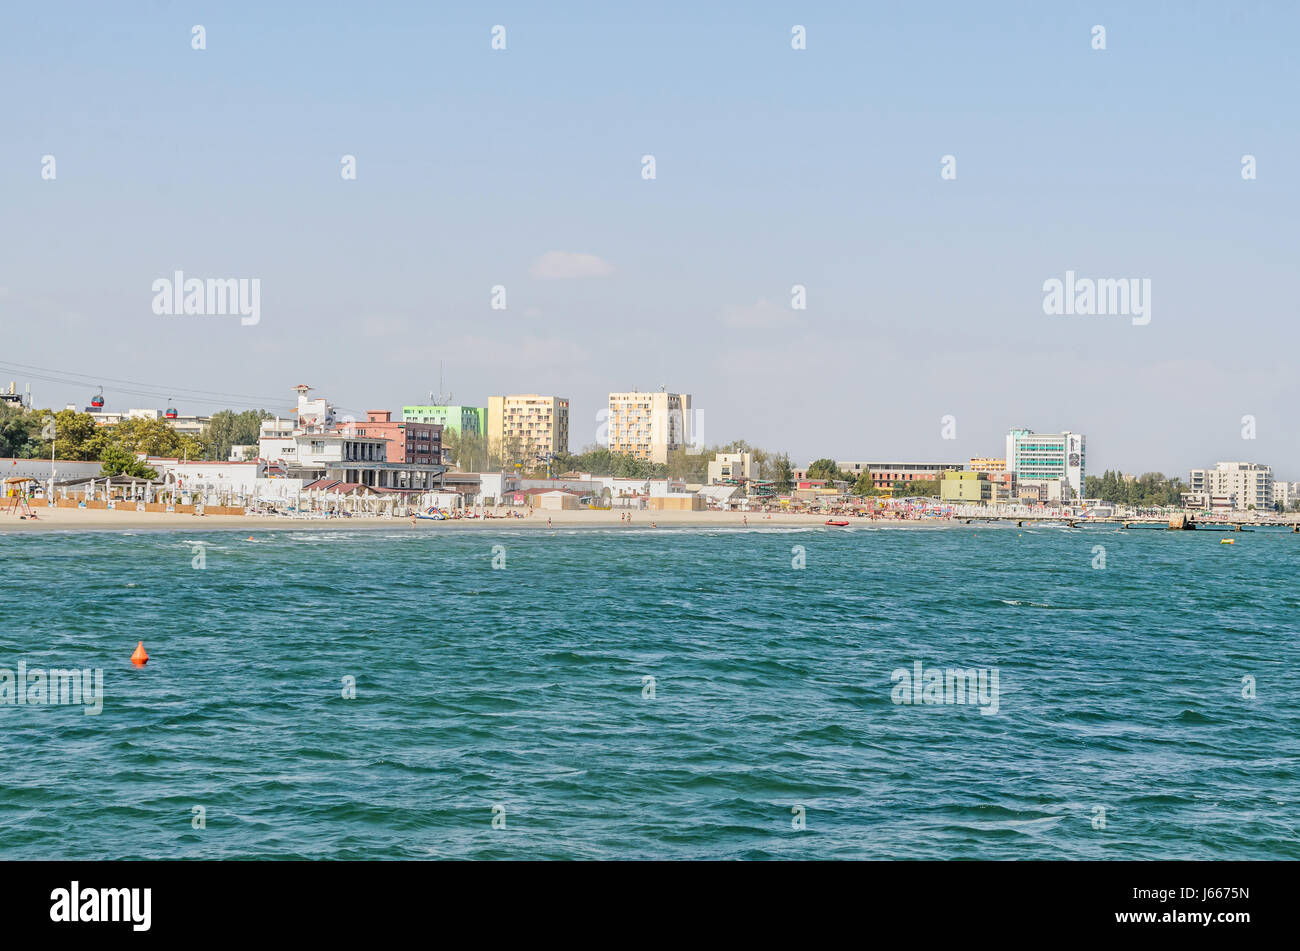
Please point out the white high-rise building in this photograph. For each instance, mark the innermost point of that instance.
(1248, 484)
(1282, 494)
(1046, 457)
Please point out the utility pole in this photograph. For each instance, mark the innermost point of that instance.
(52, 431)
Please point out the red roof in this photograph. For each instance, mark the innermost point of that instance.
(320, 484)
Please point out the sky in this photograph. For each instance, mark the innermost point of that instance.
(774, 167)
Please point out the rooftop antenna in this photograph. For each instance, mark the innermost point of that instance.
(442, 398)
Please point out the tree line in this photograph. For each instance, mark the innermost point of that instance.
(1149, 489)
(863, 485)
(77, 436)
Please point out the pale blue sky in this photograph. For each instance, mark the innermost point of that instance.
(775, 167)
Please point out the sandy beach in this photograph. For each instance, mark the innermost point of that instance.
(94, 520)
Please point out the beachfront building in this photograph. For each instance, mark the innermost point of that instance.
(207, 477)
(1002, 486)
(528, 428)
(43, 470)
(988, 464)
(420, 443)
(1047, 457)
(275, 440)
(733, 467)
(965, 486)
(316, 450)
(452, 419)
(1205, 502)
(1248, 484)
(313, 447)
(649, 425)
(1284, 493)
(885, 474)
(369, 472)
(313, 414)
(1043, 490)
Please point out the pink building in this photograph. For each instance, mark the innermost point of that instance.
(414, 443)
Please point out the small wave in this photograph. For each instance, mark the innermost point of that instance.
(1015, 825)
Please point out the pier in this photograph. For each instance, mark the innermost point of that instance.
(1180, 522)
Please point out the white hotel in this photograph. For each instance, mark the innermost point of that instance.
(1048, 458)
(1246, 485)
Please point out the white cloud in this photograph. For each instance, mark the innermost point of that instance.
(556, 265)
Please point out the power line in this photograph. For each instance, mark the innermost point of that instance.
(152, 391)
(80, 379)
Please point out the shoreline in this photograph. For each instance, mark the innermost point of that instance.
(103, 520)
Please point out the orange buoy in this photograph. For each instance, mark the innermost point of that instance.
(250, 538)
(139, 658)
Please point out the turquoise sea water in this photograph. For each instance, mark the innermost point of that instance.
(522, 689)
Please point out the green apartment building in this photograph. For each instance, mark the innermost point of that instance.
(453, 419)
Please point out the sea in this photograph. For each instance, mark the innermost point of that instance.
(472, 691)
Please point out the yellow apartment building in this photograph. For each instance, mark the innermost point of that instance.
(527, 426)
(649, 425)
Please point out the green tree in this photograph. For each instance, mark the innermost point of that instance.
(691, 466)
(20, 432)
(1110, 487)
(826, 469)
(77, 436)
(117, 461)
(227, 428)
(467, 450)
(782, 473)
(154, 437)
